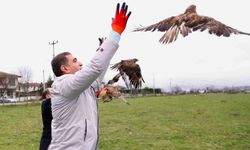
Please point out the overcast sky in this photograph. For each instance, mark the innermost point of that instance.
(27, 27)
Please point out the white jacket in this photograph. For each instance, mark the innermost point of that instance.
(75, 106)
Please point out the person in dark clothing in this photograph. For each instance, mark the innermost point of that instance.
(46, 119)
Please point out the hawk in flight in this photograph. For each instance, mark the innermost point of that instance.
(130, 72)
(188, 22)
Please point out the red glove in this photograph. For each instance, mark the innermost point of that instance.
(120, 20)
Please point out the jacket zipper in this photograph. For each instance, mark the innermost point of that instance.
(85, 130)
(93, 89)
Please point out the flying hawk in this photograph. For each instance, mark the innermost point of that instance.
(129, 69)
(189, 22)
(108, 92)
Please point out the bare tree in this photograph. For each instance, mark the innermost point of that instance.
(176, 90)
(49, 82)
(26, 78)
(4, 83)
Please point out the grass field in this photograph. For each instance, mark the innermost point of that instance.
(207, 122)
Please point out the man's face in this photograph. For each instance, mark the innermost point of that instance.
(72, 66)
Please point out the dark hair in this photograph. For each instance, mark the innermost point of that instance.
(58, 61)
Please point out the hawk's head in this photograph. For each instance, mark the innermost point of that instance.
(191, 9)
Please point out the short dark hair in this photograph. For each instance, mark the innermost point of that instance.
(58, 61)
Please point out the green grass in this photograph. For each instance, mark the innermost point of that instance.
(20, 127)
(208, 122)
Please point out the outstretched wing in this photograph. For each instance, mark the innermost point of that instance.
(215, 27)
(116, 66)
(161, 26)
(171, 26)
(129, 68)
(122, 65)
(188, 22)
(114, 79)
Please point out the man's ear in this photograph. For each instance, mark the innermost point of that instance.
(64, 69)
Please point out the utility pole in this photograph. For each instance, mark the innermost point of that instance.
(43, 81)
(170, 85)
(53, 45)
(154, 84)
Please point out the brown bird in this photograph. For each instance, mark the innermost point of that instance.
(129, 68)
(189, 22)
(109, 92)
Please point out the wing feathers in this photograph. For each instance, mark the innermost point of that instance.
(129, 68)
(186, 23)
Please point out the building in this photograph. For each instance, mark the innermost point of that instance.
(29, 87)
(8, 84)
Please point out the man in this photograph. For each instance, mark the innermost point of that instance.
(74, 103)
